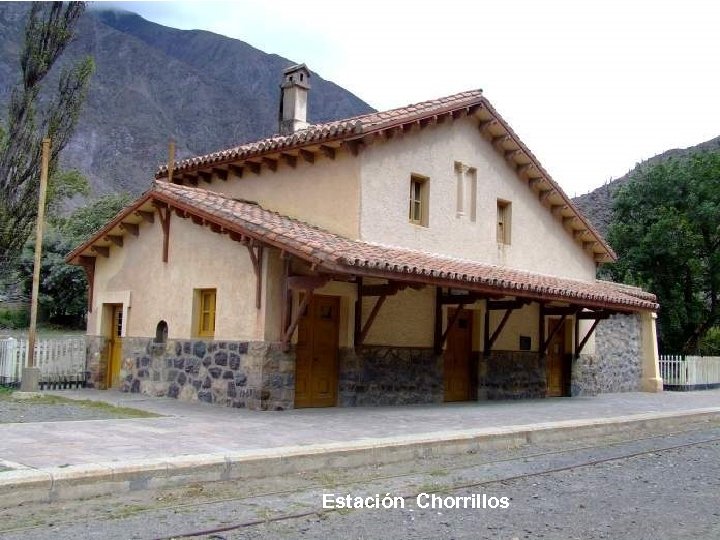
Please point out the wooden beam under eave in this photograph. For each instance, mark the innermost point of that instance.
(536, 181)
(192, 179)
(307, 156)
(485, 125)
(498, 142)
(569, 220)
(545, 195)
(103, 251)
(197, 220)
(254, 166)
(206, 176)
(236, 170)
(524, 170)
(354, 146)
(146, 216)
(115, 239)
(222, 174)
(579, 233)
(289, 159)
(429, 121)
(327, 151)
(459, 113)
(510, 155)
(271, 163)
(589, 245)
(130, 228)
(556, 209)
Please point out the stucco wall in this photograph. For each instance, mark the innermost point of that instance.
(150, 290)
(539, 242)
(325, 193)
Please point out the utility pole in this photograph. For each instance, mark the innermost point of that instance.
(31, 374)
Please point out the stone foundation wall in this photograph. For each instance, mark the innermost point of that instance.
(256, 375)
(511, 375)
(96, 354)
(616, 365)
(389, 376)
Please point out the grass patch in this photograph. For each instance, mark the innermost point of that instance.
(124, 412)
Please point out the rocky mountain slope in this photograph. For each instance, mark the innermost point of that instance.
(597, 205)
(153, 82)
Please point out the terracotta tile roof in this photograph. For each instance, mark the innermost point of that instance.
(335, 253)
(357, 127)
(336, 130)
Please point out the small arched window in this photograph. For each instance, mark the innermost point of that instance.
(161, 332)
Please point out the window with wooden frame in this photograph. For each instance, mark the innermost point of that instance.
(206, 299)
(419, 213)
(504, 217)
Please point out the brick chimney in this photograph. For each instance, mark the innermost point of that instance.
(293, 99)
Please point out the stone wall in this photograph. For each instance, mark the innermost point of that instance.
(389, 376)
(256, 375)
(511, 375)
(96, 354)
(616, 365)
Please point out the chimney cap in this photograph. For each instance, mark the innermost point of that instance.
(297, 75)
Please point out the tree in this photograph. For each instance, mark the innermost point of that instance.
(63, 288)
(666, 230)
(49, 30)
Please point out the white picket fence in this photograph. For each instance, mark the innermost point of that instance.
(61, 361)
(690, 372)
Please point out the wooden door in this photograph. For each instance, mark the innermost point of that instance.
(115, 353)
(457, 358)
(316, 354)
(556, 364)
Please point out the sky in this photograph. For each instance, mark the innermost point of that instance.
(592, 87)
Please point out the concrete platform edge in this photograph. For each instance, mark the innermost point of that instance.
(94, 479)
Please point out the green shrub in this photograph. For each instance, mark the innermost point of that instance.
(14, 318)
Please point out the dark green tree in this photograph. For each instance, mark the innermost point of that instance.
(666, 231)
(49, 30)
(63, 288)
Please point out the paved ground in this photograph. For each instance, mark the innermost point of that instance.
(646, 485)
(194, 428)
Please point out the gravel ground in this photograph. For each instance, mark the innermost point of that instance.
(638, 486)
(54, 409)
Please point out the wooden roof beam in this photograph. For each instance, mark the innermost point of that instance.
(579, 233)
(222, 174)
(307, 156)
(103, 251)
(289, 159)
(115, 239)
(329, 151)
(254, 166)
(354, 146)
(146, 216)
(271, 163)
(130, 228)
(206, 176)
(192, 179)
(498, 142)
(236, 170)
(545, 195)
(569, 220)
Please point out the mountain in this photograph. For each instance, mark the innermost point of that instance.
(597, 205)
(152, 82)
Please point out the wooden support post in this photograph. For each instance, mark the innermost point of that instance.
(579, 348)
(164, 213)
(371, 318)
(541, 329)
(500, 327)
(451, 322)
(296, 319)
(486, 330)
(286, 299)
(437, 339)
(257, 260)
(358, 312)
